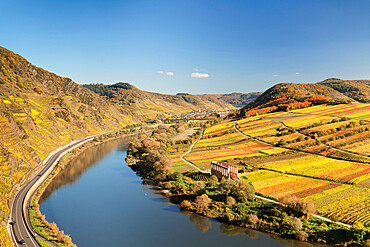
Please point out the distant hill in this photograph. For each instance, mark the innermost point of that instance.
(358, 90)
(238, 100)
(287, 96)
(152, 105)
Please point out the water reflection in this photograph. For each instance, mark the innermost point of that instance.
(203, 224)
(78, 166)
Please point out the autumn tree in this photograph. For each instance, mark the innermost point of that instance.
(299, 207)
(213, 181)
(230, 200)
(185, 204)
(151, 157)
(294, 223)
(238, 189)
(202, 202)
(197, 187)
(253, 219)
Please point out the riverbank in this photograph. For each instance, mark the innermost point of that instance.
(50, 231)
(100, 201)
(233, 202)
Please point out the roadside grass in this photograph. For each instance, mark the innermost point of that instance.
(42, 243)
(37, 223)
(67, 155)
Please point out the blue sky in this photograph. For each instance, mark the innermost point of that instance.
(191, 46)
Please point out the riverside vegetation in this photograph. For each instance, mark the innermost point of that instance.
(231, 201)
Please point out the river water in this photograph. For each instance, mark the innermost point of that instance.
(100, 201)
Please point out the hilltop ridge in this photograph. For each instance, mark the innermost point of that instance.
(288, 96)
(358, 90)
(154, 105)
(238, 100)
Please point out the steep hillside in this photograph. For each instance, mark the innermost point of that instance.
(154, 105)
(288, 96)
(238, 100)
(40, 111)
(358, 90)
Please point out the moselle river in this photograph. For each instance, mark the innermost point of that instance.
(100, 201)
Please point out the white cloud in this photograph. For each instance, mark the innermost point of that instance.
(275, 75)
(196, 69)
(297, 73)
(161, 72)
(199, 75)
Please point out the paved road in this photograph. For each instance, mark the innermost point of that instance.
(22, 230)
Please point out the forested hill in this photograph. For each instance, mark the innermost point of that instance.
(237, 99)
(155, 104)
(288, 96)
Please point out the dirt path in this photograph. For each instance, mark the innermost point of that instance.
(186, 134)
(191, 149)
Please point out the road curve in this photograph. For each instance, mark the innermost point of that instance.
(191, 149)
(22, 230)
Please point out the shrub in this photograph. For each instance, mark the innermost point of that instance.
(229, 216)
(281, 143)
(230, 200)
(302, 235)
(238, 189)
(294, 223)
(253, 219)
(299, 207)
(167, 185)
(180, 188)
(185, 204)
(202, 202)
(213, 181)
(358, 231)
(197, 187)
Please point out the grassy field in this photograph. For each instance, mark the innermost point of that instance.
(320, 153)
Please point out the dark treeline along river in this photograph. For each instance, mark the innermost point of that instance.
(100, 201)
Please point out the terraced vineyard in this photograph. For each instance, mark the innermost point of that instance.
(222, 142)
(30, 127)
(320, 153)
